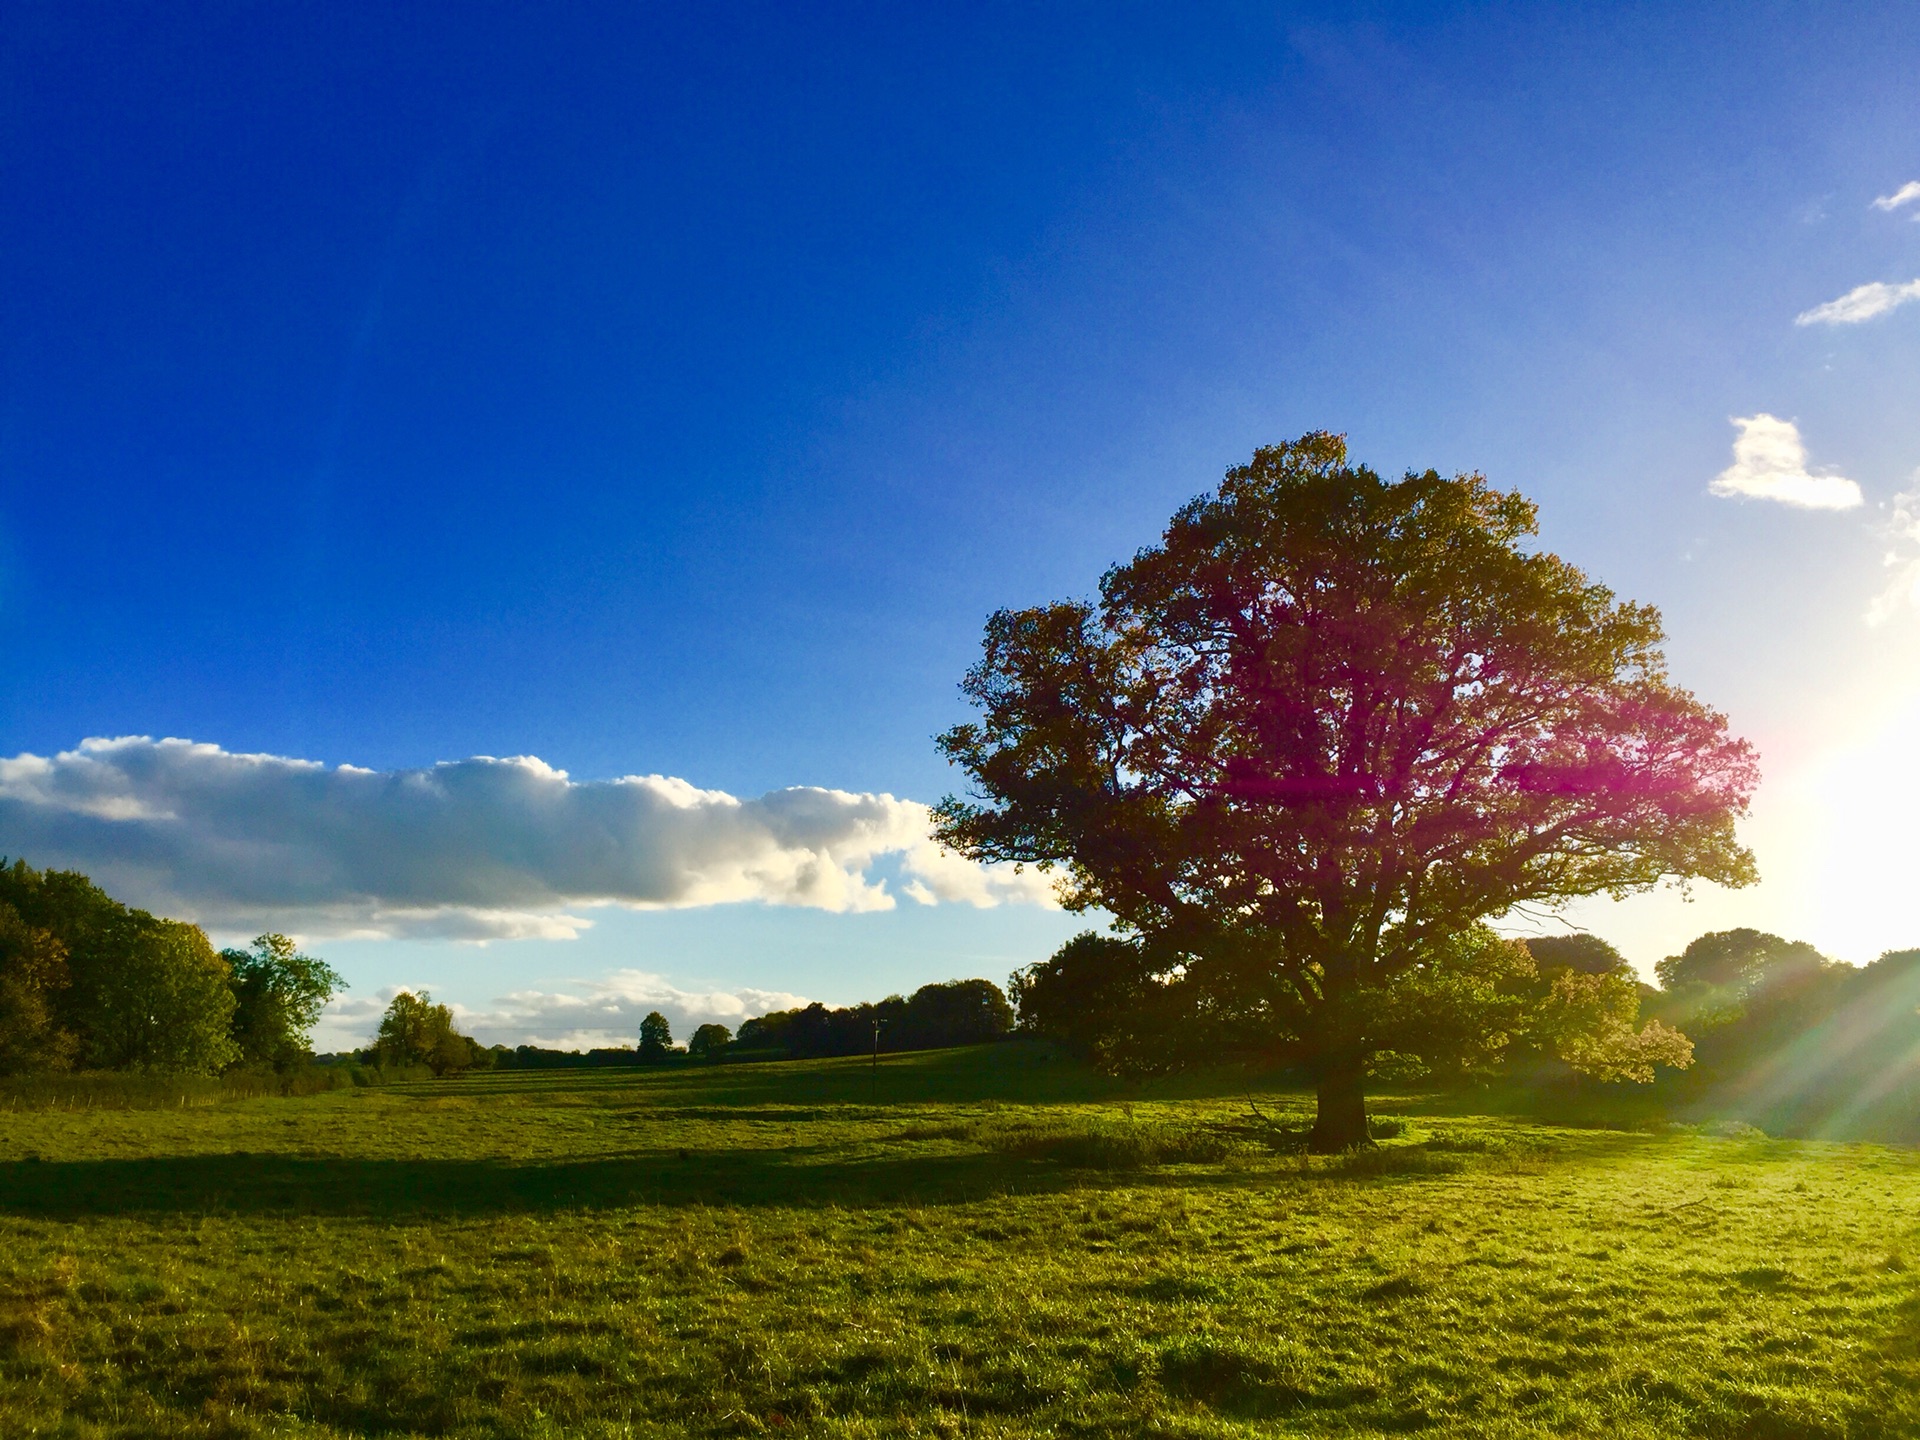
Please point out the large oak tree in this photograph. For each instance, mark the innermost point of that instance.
(1324, 727)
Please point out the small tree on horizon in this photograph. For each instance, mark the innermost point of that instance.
(656, 1037)
(415, 1031)
(1329, 724)
(709, 1041)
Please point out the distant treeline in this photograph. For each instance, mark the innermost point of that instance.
(1768, 1030)
(88, 983)
(1794, 1042)
(1779, 1034)
(959, 1012)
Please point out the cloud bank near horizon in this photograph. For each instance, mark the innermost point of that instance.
(1770, 463)
(477, 849)
(582, 1016)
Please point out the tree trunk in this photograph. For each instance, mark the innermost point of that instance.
(1341, 1122)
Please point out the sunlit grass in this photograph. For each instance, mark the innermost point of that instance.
(972, 1243)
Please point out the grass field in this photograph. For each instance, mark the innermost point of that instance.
(977, 1242)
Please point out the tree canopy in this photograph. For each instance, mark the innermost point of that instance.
(1588, 954)
(656, 1036)
(415, 1031)
(1742, 960)
(126, 990)
(278, 995)
(165, 1004)
(33, 974)
(1478, 1005)
(1327, 726)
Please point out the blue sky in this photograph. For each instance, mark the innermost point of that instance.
(670, 391)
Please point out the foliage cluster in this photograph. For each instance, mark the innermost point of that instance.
(958, 1012)
(415, 1031)
(1474, 1005)
(86, 981)
(1744, 1025)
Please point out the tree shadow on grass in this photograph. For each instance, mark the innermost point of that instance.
(797, 1176)
(1017, 1072)
(301, 1185)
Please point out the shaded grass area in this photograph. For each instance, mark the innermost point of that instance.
(975, 1242)
(118, 1090)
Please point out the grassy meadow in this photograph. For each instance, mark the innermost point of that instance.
(977, 1242)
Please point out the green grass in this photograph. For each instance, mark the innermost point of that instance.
(985, 1243)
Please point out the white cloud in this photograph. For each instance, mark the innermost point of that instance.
(1905, 195)
(1770, 463)
(1863, 302)
(469, 849)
